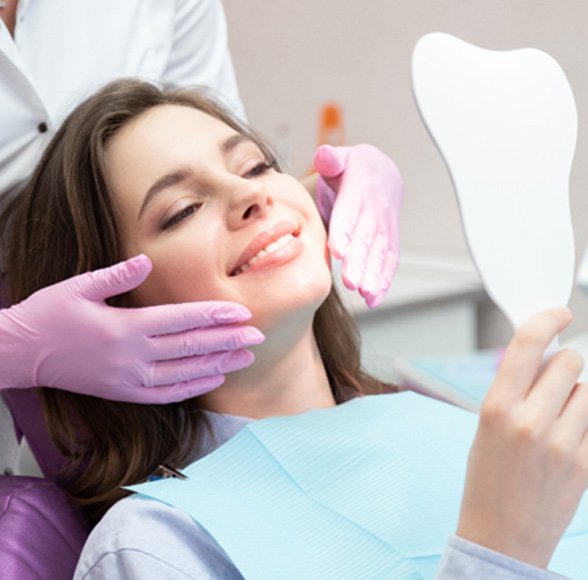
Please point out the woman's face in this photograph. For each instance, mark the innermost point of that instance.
(217, 222)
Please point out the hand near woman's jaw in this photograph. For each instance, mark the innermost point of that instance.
(528, 466)
(359, 192)
(65, 336)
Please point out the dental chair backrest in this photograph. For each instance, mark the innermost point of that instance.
(41, 532)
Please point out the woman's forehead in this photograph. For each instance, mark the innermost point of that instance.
(170, 119)
(165, 131)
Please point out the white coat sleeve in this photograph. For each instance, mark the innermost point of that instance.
(200, 52)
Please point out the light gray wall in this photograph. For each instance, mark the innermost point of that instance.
(292, 56)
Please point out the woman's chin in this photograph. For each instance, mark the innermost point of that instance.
(295, 305)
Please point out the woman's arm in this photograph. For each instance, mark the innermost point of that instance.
(66, 336)
(528, 467)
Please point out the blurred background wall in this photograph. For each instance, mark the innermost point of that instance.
(292, 57)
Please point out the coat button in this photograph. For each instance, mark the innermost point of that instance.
(42, 127)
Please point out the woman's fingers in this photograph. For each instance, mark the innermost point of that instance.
(571, 429)
(528, 467)
(553, 388)
(523, 358)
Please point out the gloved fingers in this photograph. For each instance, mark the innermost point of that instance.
(170, 372)
(171, 318)
(355, 259)
(118, 279)
(342, 225)
(325, 199)
(174, 393)
(350, 208)
(371, 281)
(203, 341)
(330, 161)
(387, 274)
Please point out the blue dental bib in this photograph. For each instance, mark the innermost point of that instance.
(369, 489)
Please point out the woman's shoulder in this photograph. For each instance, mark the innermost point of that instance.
(139, 537)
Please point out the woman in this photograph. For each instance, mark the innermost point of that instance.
(134, 170)
(45, 340)
(175, 44)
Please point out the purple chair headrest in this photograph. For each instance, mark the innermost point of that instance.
(42, 533)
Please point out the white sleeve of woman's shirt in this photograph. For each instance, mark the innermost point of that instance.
(463, 559)
(200, 52)
(140, 538)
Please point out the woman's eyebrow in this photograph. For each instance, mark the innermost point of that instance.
(185, 173)
(162, 183)
(233, 142)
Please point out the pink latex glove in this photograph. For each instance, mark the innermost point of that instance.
(359, 192)
(65, 336)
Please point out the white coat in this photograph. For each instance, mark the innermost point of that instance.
(64, 50)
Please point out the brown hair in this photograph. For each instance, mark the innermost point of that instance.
(63, 224)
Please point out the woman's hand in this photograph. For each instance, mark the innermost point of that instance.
(359, 192)
(65, 336)
(528, 467)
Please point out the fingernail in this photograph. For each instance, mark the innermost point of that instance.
(237, 359)
(234, 314)
(349, 284)
(211, 384)
(375, 300)
(335, 253)
(253, 336)
(137, 263)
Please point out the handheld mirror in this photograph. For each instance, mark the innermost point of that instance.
(506, 125)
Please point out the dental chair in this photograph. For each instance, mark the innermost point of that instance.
(41, 532)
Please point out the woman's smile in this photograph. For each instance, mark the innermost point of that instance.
(273, 247)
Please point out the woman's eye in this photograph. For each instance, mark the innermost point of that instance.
(259, 169)
(181, 216)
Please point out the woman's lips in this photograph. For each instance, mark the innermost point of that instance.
(277, 245)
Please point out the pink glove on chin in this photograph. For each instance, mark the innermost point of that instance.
(359, 192)
(65, 336)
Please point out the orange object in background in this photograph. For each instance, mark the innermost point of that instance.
(331, 125)
(330, 128)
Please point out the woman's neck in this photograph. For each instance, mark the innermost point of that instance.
(288, 377)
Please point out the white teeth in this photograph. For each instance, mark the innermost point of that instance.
(271, 247)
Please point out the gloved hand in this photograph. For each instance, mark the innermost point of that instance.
(359, 192)
(65, 336)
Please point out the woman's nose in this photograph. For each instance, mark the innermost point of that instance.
(248, 203)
